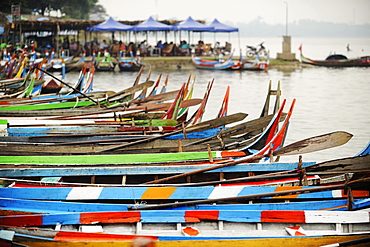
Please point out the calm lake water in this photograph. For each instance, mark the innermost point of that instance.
(327, 99)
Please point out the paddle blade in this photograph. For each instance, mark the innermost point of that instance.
(316, 143)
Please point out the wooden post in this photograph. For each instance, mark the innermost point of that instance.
(150, 124)
(56, 48)
(183, 130)
(222, 176)
(349, 199)
(93, 178)
(251, 174)
(305, 181)
(209, 153)
(124, 177)
(271, 153)
(300, 170)
(179, 145)
(221, 141)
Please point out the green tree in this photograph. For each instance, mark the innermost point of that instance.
(98, 13)
(80, 9)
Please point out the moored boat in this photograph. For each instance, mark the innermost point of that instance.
(213, 64)
(38, 237)
(337, 61)
(129, 64)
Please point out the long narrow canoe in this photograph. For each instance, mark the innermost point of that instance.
(47, 207)
(175, 193)
(112, 159)
(217, 138)
(189, 216)
(282, 180)
(59, 170)
(133, 175)
(37, 237)
(212, 65)
(66, 110)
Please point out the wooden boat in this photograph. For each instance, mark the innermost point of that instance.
(173, 222)
(22, 89)
(58, 64)
(104, 63)
(212, 64)
(337, 60)
(179, 196)
(188, 216)
(76, 63)
(282, 180)
(242, 174)
(11, 206)
(129, 64)
(267, 137)
(257, 64)
(117, 175)
(201, 222)
(39, 237)
(54, 85)
(115, 100)
(75, 141)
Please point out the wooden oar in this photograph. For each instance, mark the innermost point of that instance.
(312, 144)
(97, 103)
(353, 184)
(198, 127)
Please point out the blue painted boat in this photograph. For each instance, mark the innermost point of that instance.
(211, 64)
(129, 64)
(193, 195)
(35, 237)
(48, 207)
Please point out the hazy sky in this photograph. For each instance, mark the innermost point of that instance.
(269, 11)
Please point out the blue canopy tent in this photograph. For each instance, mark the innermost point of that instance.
(220, 27)
(110, 25)
(151, 25)
(223, 28)
(191, 25)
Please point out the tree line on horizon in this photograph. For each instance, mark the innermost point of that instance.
(81, 9)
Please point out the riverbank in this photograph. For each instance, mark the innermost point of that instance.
(171, 63)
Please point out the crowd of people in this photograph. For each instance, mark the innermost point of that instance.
(117, 48)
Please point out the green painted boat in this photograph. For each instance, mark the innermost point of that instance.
(49, 106)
